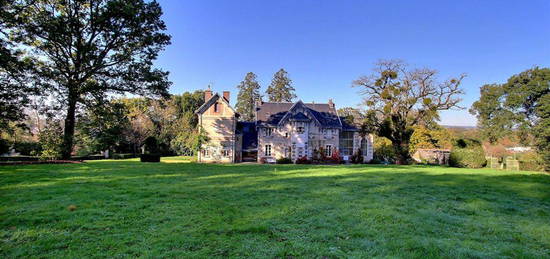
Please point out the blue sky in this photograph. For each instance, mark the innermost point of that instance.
(324, 45)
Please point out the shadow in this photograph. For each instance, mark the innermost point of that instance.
(190, 209)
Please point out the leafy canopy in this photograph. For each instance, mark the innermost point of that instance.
(280, 89)
(399, 98)
(520, 106)
(92, 48)
(249, 93)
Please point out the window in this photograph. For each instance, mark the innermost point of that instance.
(364, 146)
(268, 132)
(216, 107)
(286, 134)
(205, 153)
(226, 152)
(328, 150)
(346, 143)
(300, 130)
(267, 150)
(327, 133)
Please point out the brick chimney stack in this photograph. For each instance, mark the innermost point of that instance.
(330, 103)
(207, 94)
(226, 95)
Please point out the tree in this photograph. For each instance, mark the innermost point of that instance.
(494, 119)
(280, 89)
(434, 137)
(398, 99)
(249, 93)
(520, 106)
(351, 115)
(92, 48)
(14, 90)
(104, 124)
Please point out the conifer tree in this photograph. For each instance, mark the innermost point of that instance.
(249, 93)
(280, 89)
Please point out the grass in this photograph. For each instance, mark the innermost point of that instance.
(124, 208)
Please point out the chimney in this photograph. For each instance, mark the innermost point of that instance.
(207, 94)
(226, 95)
(330, 103)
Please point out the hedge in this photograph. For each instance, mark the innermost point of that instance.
(467, 157)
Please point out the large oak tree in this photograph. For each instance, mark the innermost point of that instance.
(520, 106)
(398, 98)
(92, 48)
(14, 89)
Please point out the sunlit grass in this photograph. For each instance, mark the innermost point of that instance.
(124, 208)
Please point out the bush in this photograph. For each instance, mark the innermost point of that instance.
(152, 152)
(51, 139)
(357, 157)
(123, 156)
(473, 157)
(303, 160)
(284, 160)
(28, 148)
(4, 146)
(334, 158)
(154, 158)
(383, 150)
(530, 161)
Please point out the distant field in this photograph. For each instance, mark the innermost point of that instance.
(124, 208)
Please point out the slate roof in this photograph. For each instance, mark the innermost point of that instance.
(271, 113)
(299, 117)
(212, 100)
(346, 126)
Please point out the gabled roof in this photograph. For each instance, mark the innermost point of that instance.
(271, 113)
(299, 117)
(211, 101)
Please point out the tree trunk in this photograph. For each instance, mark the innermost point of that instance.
(401, 152)
(68, 136)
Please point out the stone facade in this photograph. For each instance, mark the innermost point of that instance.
(218, 121)
(282, 130)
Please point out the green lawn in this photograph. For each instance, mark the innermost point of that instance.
(180, 209)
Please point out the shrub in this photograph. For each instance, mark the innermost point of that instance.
(470, 157)
(4, 146)
(151, 151)
(530, 161)
(123, 156)
(154, 158)
(28, 148)
(284, 160)
(334, 158)
(383, 150)
(357, 157)
(51, 139)
(303, 160)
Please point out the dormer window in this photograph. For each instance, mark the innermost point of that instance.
(268, 132)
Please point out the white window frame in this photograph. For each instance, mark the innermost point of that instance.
(268, 132)
(226, 152)
(267, 150)
(328, 150)
(300, 131)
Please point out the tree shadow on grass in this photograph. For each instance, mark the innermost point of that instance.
(282, 210)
